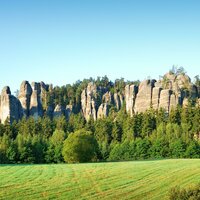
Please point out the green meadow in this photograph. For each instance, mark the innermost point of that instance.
(115, 180)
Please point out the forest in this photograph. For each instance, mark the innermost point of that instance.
(149, 135)
(116, 136)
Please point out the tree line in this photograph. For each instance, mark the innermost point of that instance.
(149, 135)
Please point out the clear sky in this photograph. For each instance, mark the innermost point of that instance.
(61, 41)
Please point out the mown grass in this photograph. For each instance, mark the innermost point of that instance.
(121, 180)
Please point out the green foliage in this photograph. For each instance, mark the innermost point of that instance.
(152, 134)
(191, 193)
(54, 150)
(80, 146)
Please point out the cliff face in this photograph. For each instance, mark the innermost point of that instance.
(11, 108)
(25, 97)
(95, 102)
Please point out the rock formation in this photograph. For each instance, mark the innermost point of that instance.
(165, 99)
(88, 102)
(144, 96)
(156, 97)
(130, 97)
(107, 98)
(118, 100)
(10, 106)
(36, 109)
(37, 99)
(58, 111)
(25, 97)
(103, 111)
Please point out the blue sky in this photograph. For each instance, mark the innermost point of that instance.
(60, 42)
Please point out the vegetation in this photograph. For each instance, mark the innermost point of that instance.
(120, 180)
(80, 146)
(153, 134)
(191, 193)
(118, 137)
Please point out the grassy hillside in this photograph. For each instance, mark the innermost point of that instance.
(124, 180)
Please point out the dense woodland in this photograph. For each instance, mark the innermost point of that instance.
(154, 134)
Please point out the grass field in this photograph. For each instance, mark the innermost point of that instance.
(122, 180)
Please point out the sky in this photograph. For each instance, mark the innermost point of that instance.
(62, 41)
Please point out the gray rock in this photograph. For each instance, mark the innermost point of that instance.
(36, 109)
(165, 99)
(25, 97)
(118, 100)
(107, 98)
(59, 111)
(156, 97)
(173, 102)
(103, 111)
(10, 107)
(130, 96)
(88, 102)
(144, 96)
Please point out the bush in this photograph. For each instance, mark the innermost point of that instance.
(80, 146)
(192, 193)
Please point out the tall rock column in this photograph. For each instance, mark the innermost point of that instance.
(118, 100)
(165, 97)
(25, 97)
(156, 97)
(10, 106)
(36, 109)
(144, 96)
(88, 102)
(130, 96)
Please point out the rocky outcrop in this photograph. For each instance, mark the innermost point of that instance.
(44, 89)
(59, 111)
(156, 97)
(103, 111)
(144, 96)
(118, 100)
(173, 102)
(88, 102)
(11, 109)
(165, 99)
(38, 99)
(25, 97)
(130, 97)
(36, 109)
(107, 98)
